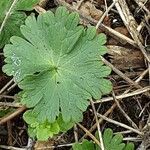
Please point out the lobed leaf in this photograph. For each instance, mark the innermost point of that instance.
(85, 145)
(57, 64)
(43, 130)
(129, 146)
(114, 142)
(111, 142)
(16, 17)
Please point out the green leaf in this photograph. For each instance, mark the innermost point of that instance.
(86, 145)
(46, 130)
(16, 17)
(58, 65)
(129, 146)
(64, 126)
(40, 130)
(32, 132)
(30, 118)
(111, 142)
(107, 136)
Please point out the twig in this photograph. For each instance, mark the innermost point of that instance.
(143, 23)
(134, 139)
(79, 4)
(100, 120)
(98, 126)
(142, 5)
(131, 25)
(106, 7)
(136, 92)
(123, 112)
(75, 133)
(119, 124)
(11, 87)
(109, 30)
(7, 96)
(43, 3)
(12, 148)
(9, 129)
(57, 146)
(6, 86)
(142, 75)
(120, 73)
(114, 105)
(30, 143)
(105, 13)
(9, 104)
(89, 134)
(39, 9)
(149, 71)
(123, 132)
(147, 105)
(12, 115)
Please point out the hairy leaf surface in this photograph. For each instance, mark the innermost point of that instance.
(58, 65)
(16, 17)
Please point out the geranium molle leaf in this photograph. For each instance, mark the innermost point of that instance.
(58, 66)
(85, 145)
(13, 9)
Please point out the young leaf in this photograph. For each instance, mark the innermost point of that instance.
(64, 126)
(86, 145)
(58, 65)
(12, 16)
(114, 142)
(46, 130)
(129, 146)
(42, 130)
(110, 143)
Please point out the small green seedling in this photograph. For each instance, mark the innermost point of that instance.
(111, 142)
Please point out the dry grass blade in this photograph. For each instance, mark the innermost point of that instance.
(136, 92)
(105, 13)
(120, 73)
(89, 134)
(12, 115)
(103, 27)
(6, 86)
(98, 126)
(100, 120)
(120, 124)
(123, 112)
(12, 147)
(131, 25)
(114, 105)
